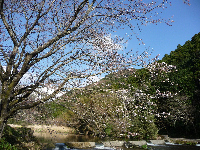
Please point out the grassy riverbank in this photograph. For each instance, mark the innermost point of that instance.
(46, 128)
(32, 137)
(20, 138)
(37, 137)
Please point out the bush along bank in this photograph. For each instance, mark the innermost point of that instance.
(19, 139)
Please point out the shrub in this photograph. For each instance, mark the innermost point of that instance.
(19, 138)
(6, 145)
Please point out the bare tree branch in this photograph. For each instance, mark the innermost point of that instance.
(9, 29)
(39, 16)
(62, 40)
(1, 5)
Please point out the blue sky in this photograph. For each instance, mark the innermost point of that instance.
(163, 38)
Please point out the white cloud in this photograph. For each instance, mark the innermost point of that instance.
(107, 43)
(94, 79)
(47, 90)
(90, 80)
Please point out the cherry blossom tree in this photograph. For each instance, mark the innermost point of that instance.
(58, 41)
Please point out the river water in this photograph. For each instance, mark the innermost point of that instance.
(60, 140)
(61, 146)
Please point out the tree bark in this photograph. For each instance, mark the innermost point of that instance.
(1, 5)
(3, 108)
(3, 123)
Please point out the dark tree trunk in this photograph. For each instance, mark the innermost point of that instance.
(3, 123)
(3, 111)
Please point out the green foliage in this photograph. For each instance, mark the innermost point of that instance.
(184, 142)
(187, 60)
(4, 145)
(119, 80)
(109, 129)
(142, 119)
(106, 112)
(18, 122)
(55, 109)
(96, 113)
(18, 138)
(186, 82)
(102, 109)
(160, 95)
(144, 146)
(174, 91)
(131, 79)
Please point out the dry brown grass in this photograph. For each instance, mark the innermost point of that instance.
(45, 128)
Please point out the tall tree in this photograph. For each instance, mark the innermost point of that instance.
(186, 58)
(59, 41)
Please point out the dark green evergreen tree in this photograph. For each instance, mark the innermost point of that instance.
(186, 58)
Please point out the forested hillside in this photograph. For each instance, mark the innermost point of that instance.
(186, 58)
(162, 98)
(172, 84)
